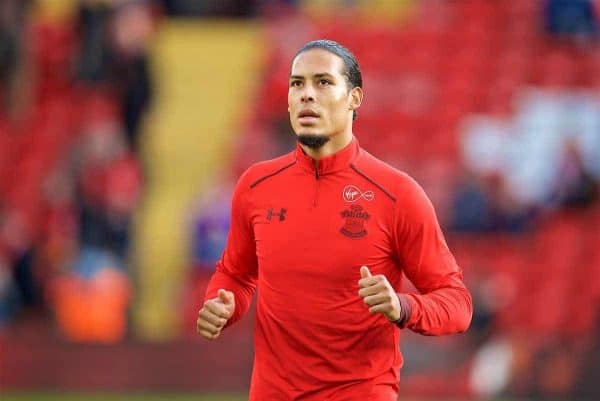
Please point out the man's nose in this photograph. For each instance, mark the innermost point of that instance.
(308, 94)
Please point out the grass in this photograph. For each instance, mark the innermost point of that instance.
(57, 396)
(139, 396)
(117, 397)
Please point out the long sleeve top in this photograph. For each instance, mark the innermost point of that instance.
(300, 231)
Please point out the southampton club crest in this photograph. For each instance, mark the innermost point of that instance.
(355, 219)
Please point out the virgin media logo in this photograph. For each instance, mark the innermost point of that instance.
(351, 194)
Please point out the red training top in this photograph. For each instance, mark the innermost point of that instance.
(301, 230)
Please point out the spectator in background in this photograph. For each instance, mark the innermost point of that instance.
(211, 8)
(471, 206)
(133, 27)
(115, 37)
(93, 24)
(575, 187)
(113, 58)
(484, 204)
(546, 156)
(8, 296)
(109, 182)
(210, 220)
(210, 225)
(484, 200)
(572, 18)
(14, 66)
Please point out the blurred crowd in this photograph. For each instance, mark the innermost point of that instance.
(544, 158)
(74, 93)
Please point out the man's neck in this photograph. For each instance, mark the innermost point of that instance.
(334, 145)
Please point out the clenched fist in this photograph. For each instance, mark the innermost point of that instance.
(378, 294)
(214, 314)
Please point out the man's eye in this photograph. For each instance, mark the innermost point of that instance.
(324, 82)
(295, 83)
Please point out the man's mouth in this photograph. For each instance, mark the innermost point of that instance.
(308, 116)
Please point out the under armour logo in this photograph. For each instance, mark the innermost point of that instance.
(271, 214)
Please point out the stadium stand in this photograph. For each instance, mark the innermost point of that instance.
(68, 165)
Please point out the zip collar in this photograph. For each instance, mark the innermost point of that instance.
(330, 164)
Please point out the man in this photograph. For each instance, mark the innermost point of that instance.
(326, 232)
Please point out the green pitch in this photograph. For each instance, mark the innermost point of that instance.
(117, 397)
(48, 396)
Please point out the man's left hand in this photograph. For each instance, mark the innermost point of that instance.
(377, 292)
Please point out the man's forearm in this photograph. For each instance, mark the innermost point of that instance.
(443, 311)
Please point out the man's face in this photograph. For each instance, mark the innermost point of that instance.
(319, 99)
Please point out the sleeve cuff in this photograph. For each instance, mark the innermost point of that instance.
(405, 311)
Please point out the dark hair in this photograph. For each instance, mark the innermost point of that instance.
(351, 68)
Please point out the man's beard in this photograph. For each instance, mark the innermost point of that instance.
(313, 141)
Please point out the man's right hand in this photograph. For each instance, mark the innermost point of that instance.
(214, 314)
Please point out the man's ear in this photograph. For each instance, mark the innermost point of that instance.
(356, 97)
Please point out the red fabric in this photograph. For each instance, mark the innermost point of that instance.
(314, 337)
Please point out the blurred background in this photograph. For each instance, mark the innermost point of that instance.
(125, 123)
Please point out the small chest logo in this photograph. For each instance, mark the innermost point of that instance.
(355, 218)
(271, 213)
(351, 194)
